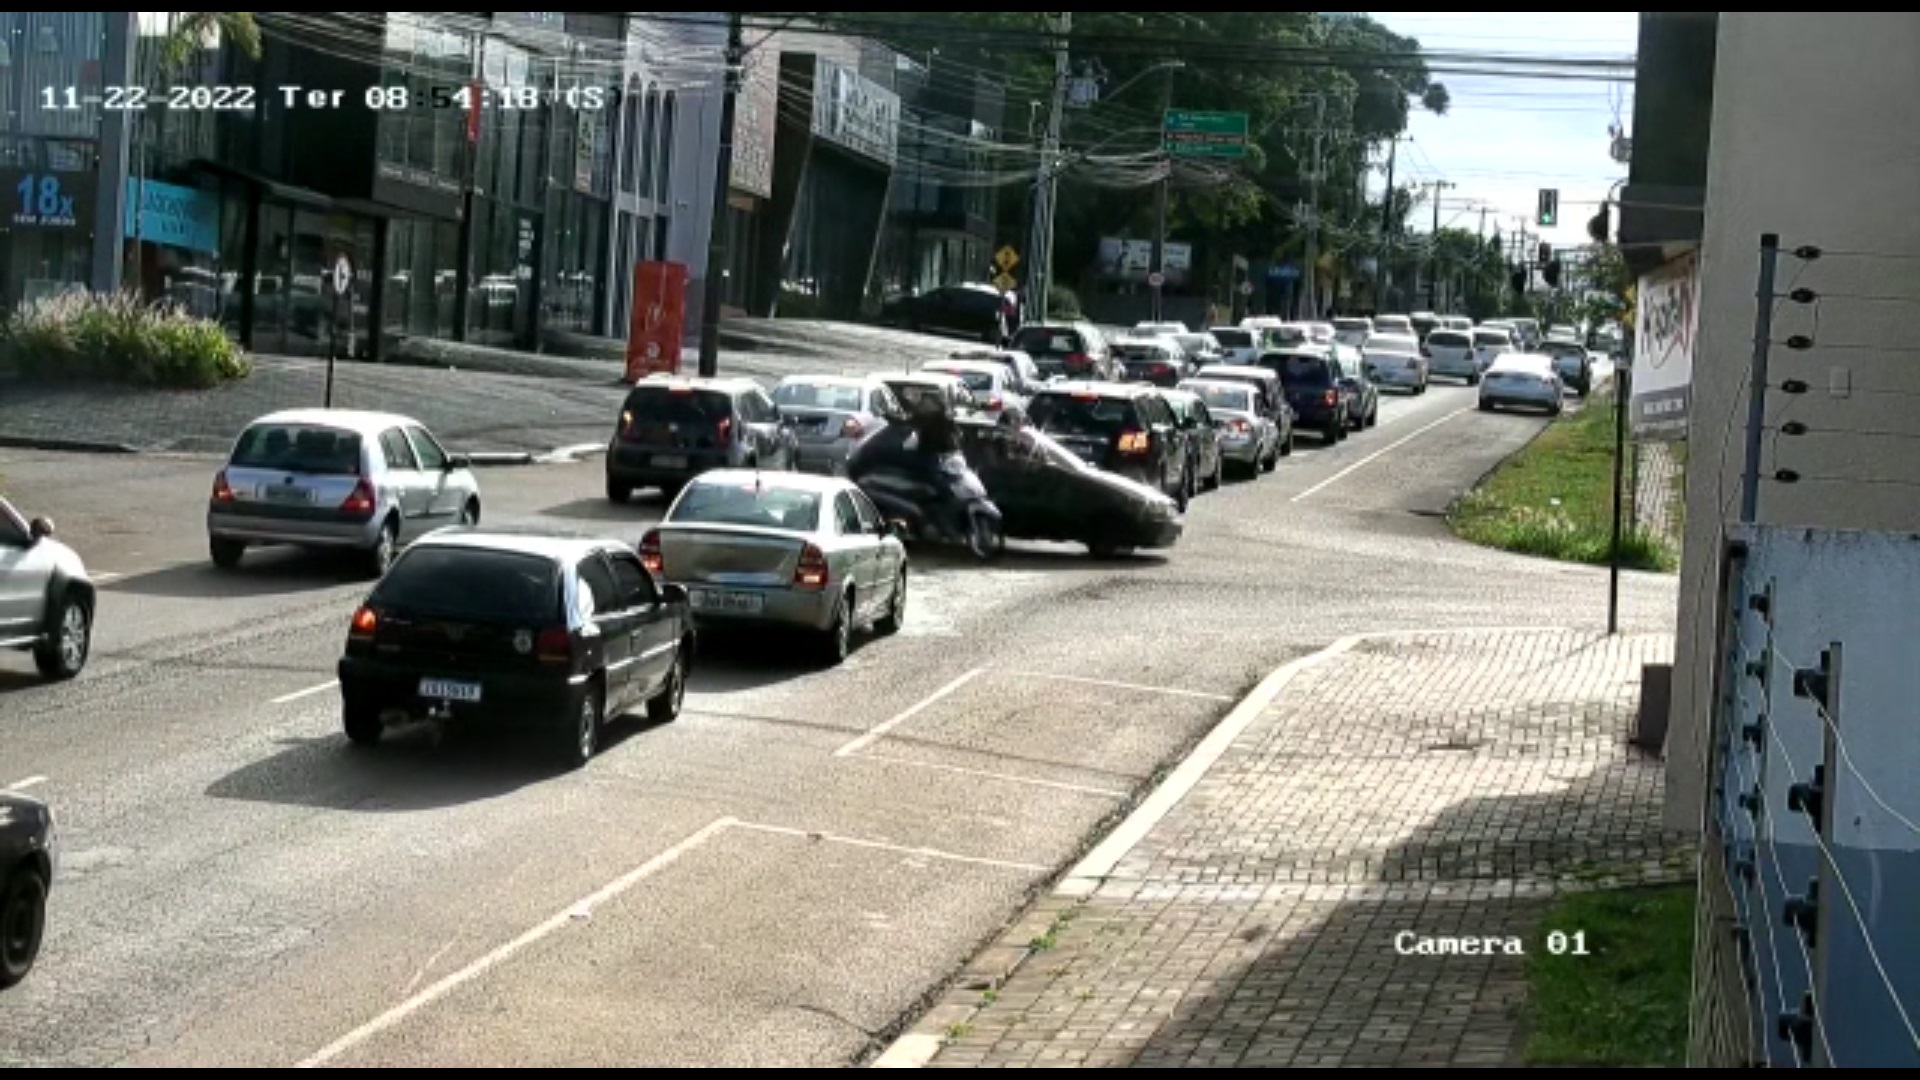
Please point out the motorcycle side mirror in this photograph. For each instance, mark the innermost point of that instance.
(40, 529)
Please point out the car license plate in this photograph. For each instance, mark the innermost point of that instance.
(669, 461)
(739, 603)
(288, 496)
(448, 690)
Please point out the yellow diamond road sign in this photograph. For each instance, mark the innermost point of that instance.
(1004, 281)
(1006, 259)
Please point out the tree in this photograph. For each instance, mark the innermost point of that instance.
(1295, 74)
(194, 32)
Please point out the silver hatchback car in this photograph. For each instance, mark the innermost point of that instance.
(340, 480)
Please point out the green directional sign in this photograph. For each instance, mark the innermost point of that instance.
(1186, 133)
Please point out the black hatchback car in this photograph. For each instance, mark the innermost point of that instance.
(1324, 397)
(673, 429)
(1122, 428)
(525, 630)
(28, 851)
(969, 311)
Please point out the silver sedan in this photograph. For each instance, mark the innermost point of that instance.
(782, 551)
(1523, 380)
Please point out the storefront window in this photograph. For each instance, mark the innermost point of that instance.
(425, 62)
(497, 287)
(572, 295)
(422, 276)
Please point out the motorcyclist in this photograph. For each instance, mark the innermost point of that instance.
(942, 462)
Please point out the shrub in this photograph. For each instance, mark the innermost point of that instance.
(119, 338)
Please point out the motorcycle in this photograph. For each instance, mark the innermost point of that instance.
(948, 506)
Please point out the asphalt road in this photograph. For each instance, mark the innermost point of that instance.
(776, 880)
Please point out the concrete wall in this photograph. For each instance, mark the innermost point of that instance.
(1813, 139)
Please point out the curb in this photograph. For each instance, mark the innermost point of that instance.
(500, 460)
(65, 446)
(571, 455)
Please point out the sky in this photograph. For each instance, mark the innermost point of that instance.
(1506, 138)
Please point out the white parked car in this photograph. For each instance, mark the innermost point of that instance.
(1523, 380)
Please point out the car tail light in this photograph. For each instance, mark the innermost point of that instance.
(1078, 360)
(554, 646)
(1160, 369)
(723, 432)
(1135, 442)
(650, 552)
(812, 571)
(366, 622)
(1331, 397)
(1240, 427)
(852, 429)
(222, 491)
(996, 402)
(362, 502)
(626, 424)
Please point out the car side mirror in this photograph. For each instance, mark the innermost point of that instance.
(457, 462)
(40, 529)
(674, 594)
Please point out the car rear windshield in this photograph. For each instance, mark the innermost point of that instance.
(1451, 339)
(1566, 349)
(1492, 338)
(977, 381)
(1299, 370)
(1352, 324)
(1230, 398)
(668, 405)
(1234, 339)
(1082, 414)
(473, 582)
(1139, 350)
(298, 448)
(754, 504)
(1038, 341)
(802, 395)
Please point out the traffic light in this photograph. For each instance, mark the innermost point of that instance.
(1549, 208)
(1552, 273)
(1545, 254)
(1518, 281)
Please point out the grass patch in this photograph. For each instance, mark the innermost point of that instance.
(1624, 1005)
(1554, 499)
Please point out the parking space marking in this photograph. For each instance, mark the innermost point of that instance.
(1378, 454)
(1006, 778)
(1134, 688)
(892, 849)
(29, 782)
(566, 917)
(925, 703)
(298, 695)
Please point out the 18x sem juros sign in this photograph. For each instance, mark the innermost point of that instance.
(1665, 333)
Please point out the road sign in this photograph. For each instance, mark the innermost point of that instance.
(342, 275)
(1006, 259)
(1156, 279)
(1004, 282)
(1285, 272)
(1246, 288)
(1186, 133)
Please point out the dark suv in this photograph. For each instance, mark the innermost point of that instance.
(1125, 429)
(672, 430)
(1324, 396)
(1076, 350)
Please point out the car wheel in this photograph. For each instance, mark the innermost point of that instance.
(896, 616)
(1286, 444)
(1104, 549)
(618, 493)
(666, 705)
(385, 549)
(1219, 475)
(1272, 460)
(362, 723)
(1373, 415)
(836, 642)
(23, 923)
(226, 553)
(1486, 406)
(64, 654)
(470, 514)
(583, 734)
(1183, 497)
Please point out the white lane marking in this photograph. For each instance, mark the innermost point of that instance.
(105, 577)
(911, 1052)
(29, 782)
(288, 699)
(1086, 877)
(569, 455)
(983, 774)
(892, 849)
(912, 711)
(566, 917)
(1377, 455)
(1137, 688)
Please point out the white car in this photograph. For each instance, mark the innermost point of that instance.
(1523, 380)
(1160, 329)
(1490, 344)
(1237, 345)
(1394, 360)
(1394, 324)
(1450, 353)
(990, 382)
(1352, 331)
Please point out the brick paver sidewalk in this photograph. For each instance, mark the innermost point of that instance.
(1441, 785)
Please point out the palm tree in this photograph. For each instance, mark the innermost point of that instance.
(190, 35)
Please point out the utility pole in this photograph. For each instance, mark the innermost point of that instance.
(1433, 245)
(1382, 276)
(1310, 274)
(1047, 193)
(1160, 199)
(717, 260)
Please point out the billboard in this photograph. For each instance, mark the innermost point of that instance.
(1667, 326)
